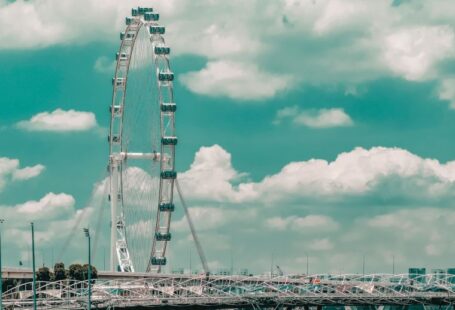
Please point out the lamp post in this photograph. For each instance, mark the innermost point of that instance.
(33, 266)
(1, 279)
(87, 234)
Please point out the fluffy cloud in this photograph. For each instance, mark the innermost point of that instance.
(28, 172)
(321, 245)
(10, 170)
(210, 175)
(351, 41)
(413, 52)
(211, 218)
(310, 223)
(447, 91)
(60, 121)
(55, 218)
(235, 80)
(323, 118)
(357, 172)
(105, 65)
(50, 207)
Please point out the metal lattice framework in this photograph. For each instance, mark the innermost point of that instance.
(179, 291)
(143, 19)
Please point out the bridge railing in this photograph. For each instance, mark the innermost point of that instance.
(238, 290)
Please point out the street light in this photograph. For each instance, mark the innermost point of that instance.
(87, 234)
(33, 266)
(1, 279)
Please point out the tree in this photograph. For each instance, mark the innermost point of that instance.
(94, 272)
(76, 272)
(43, 274)
(59, 272)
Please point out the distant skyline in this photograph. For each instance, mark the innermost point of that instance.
(306, 127)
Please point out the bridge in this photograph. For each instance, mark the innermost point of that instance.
(253, 292)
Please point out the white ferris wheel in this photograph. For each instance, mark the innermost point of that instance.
(142, 144)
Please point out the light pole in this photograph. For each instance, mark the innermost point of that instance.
(33, 266)
(87, 234)
(1, 279)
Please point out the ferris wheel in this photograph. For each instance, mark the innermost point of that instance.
(142, 144)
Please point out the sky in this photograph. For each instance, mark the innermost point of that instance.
(317, 129)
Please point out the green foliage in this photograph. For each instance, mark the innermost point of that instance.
(94, 272)
(76, 272)
(43, 274)
(59, 272)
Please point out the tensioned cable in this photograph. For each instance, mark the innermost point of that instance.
(193, 230)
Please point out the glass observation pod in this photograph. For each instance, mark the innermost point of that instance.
(129, 20)
(168, 107)
(166, 76)
(149, 16)
(119, 197)
(168, 174)
(157, 29)
(116, 109)
(121, 56)
(169, 140)
(115, 138)
(162, 50)
(127, 36)
(142, 11)
(162, 236)
(166, 206)
(118, 81)
(161, 261)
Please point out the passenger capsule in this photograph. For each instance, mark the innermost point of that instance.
(166, 76)
(157, 30)
(162, 236)
(169, 140)
(158, 261)
(142, 11)
(121, 56)
(168, 174)
(134, 12)
(116, 109)
(151, 16)
(166, 206)
(115, 138)
(168, 107)
(162, 50)
(118, 81)
(129, 20)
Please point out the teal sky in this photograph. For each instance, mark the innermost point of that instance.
(319, 128)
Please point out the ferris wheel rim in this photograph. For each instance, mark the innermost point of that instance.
(166, 159)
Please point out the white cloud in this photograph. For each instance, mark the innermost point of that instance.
(413, 52)
(323, 118)
(447, 91)
(267, 40)
(60, 121)
(211, 218)
(356, 172)
(210, 175)
(55, 218)
(10, 170)
(28, 172)
(309, 223)
(105, 65)
(236, 80)
(50, 207)
(321, 245)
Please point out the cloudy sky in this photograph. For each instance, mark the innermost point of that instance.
(307, 128)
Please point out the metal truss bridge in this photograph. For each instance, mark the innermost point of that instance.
(252, 292)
